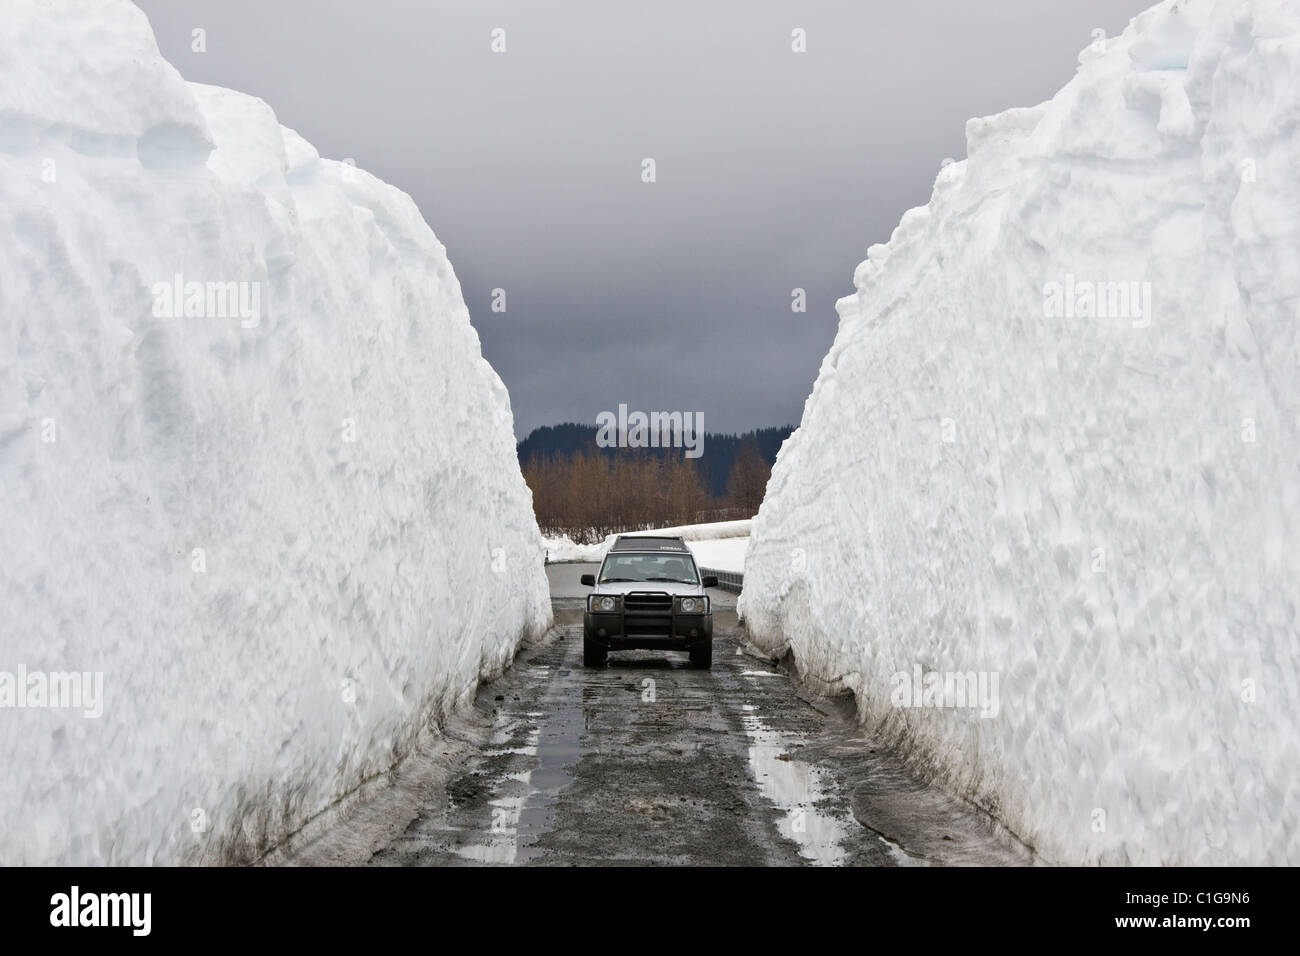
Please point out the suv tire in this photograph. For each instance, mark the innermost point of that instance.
(593, 655)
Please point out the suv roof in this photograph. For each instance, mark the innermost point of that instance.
(625, 542)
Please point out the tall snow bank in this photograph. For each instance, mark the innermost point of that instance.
(282, 521)
(1095, 504)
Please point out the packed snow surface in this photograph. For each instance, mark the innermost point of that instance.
(279, 516)
(1054, 447)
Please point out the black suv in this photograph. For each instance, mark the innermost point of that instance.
(649, 594)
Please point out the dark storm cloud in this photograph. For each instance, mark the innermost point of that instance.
(775, 170)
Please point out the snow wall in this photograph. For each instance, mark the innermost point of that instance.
(281, 517)
(1093, 503)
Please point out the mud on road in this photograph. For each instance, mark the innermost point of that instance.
(648, 761)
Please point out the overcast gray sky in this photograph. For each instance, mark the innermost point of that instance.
(775, 170)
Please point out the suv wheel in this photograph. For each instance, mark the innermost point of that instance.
(593, 655)
(702, 655)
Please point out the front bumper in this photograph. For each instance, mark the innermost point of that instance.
(643, 625)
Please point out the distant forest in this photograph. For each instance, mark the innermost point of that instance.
(715, 464)
(586, 491)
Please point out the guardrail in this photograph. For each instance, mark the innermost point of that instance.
(731, 581)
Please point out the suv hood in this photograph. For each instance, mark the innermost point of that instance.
(669, 587)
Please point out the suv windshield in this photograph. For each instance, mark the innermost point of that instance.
(678, 568)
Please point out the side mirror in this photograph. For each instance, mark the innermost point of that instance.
(710, 580)
(589, 580)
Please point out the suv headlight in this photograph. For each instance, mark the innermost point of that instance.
(601, 602)
(693, 605)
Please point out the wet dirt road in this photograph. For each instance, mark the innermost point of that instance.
(648, 761)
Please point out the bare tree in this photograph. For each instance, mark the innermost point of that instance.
(747, 482)
(591, 494)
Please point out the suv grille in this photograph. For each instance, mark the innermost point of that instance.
(642, 602)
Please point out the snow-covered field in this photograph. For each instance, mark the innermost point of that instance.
(1098, 507)
(564, 548)
(720, 554)
(719, 545)
(710, 531)
(282, 520)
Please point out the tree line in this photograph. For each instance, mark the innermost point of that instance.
(588, 494)
(715, 466)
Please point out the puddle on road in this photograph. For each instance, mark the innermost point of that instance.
(901, 856)
(559, 748)
(794, 787)
(520, 819)
(505, 730)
